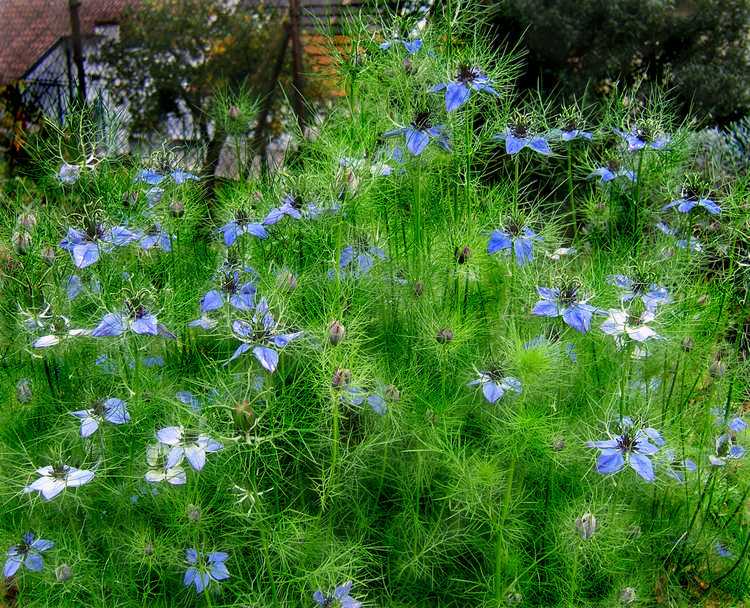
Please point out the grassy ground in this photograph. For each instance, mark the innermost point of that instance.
(364, 455)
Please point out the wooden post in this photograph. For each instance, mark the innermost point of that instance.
(297, 82)
(75, 30)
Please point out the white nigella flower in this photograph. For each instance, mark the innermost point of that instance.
(55, 478)
(621, 324)
(159, 469)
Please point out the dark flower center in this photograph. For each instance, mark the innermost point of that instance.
(568, 295)
(690, 193)
(570, 125)
(643, 133)
(422, 121)
(613, 165)
(514, 229)
(625, 442)
(241, 218)
(153, 231)
(230, 284)
(58, 471)
(94, 231)
(467, 74)
(98, 408)
(519, 129)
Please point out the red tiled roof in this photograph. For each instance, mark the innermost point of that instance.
(29, 27)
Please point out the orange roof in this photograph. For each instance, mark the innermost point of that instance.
(28, 28)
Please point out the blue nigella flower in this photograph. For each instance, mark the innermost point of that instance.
(683, 243)
(691, 199)
(28, 552)
(721, 550)
(519, 239)
(86, 246)
(357, 396)
(357, 262)
(631, 446)
(53, 479)
(155, 236)
(69, 174)
(240, 296)
(188, 398)
(154, 178)
(74, 286)
(192, 446)
(736, 424)
(110, 410)
(517, 137)
(158, 471)
(495, 385)
(565, 303)
(611, 172)
(420, 133)
(291, 207)
(411, 46)
(458, 91)
(239, 226)
(727, 449)
(639, 138)
(138, 320)
(261, 335)
(205, 568)
(340, 594)
(676, 468)
(651, 294)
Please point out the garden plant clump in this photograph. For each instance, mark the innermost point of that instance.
(465, 349)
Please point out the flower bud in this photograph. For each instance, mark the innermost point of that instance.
(392, 393)
(514, 598)
(21, 242)
(444, 336)
(462, 254)
(48, 255)
(23, 391)
(418, 288)
(234, 112)
(336, 333)
(558, 445)
(408, 66)
(27, 220)
(244, 416)
(702, 300)
(287, 281)
(627, 595)
(63, 573)
(586, 525)
(687, 344)
(148, 549)
(717, 368)
(341, 377)
(177, 209)
(194, 513)
(130, 199)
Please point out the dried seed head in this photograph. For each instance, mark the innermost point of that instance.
(444, 336)
(341, 377)
(336, 333)
(586, 525)
(23, 391)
